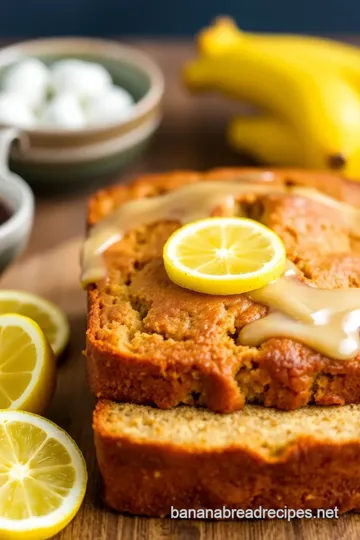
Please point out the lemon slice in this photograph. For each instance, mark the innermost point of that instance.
(42, 477)
(224, 256)
(49, 317)
(27, 365)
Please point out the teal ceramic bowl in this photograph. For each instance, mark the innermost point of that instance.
(56, 160)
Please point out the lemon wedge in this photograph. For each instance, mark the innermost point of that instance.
(49, 317)
(42, 477)
(27, 365)
(224, 256)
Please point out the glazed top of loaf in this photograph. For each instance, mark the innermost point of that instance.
(139, 313)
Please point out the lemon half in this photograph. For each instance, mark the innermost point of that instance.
(47, 315)
(27, 365)
(224, 256)
(42, 477)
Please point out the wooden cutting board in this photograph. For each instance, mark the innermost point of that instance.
(50, 267)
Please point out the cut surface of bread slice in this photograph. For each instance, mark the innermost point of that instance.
(152, 342)
(153, 460)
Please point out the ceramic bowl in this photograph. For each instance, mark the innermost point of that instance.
(66, 160)
(18, 197)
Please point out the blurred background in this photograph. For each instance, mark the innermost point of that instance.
(306, 114)
(31, 18)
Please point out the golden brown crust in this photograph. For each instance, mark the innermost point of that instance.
(147, 475)
(151, 342)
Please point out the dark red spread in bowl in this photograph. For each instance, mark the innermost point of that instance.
(5, 212)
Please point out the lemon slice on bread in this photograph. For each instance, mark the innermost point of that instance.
(42, 477)
(224, 256)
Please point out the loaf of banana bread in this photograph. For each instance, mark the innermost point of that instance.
(152, 342)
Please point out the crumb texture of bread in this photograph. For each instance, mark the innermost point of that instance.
(152, 342)
(151, 459)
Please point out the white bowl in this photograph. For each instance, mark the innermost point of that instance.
(18, 197)
(64, 160)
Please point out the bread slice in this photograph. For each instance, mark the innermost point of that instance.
(152, 342)
(152, 460)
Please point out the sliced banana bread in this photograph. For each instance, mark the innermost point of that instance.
(151, 460)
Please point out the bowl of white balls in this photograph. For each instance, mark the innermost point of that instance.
(85, 109)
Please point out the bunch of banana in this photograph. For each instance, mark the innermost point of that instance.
(306, 91)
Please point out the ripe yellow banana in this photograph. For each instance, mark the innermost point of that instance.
(267, 139)
(305, 88)
(224, 35)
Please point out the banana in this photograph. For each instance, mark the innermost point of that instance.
(306, 94)
(326, 116)
(267, 139)
(224, 35)
(328, 53)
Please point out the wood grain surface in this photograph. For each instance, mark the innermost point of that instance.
(191, 136)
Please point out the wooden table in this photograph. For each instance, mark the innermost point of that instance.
(191, 136)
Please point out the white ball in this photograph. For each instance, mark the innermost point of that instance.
(64, 111)
(110, 106)
(29, 78)
(15, 111)
(85, 79)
